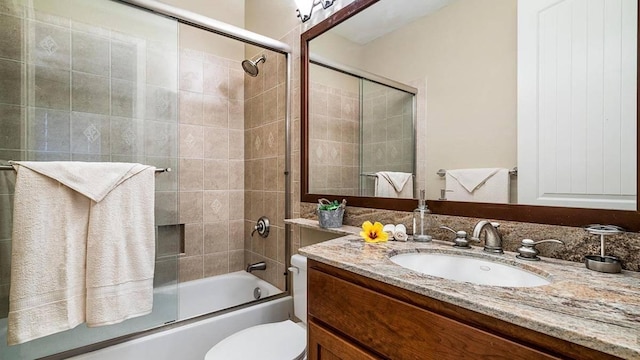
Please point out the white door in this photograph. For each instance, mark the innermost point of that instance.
(577, 65)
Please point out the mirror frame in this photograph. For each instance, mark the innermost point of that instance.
(566, 216)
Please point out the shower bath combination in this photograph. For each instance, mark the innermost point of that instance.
(251, 66)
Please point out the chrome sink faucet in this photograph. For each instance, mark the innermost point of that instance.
(492, 238)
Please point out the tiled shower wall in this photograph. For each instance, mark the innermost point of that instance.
(264, 147)
(72, 91)
(334, 140)
(232, 152)
(212, 205)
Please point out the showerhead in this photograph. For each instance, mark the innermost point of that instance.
(251, 67)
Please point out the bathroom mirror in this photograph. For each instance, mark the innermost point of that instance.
(494, 144)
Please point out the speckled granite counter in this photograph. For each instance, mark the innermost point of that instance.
(313, 224)
(596, 310)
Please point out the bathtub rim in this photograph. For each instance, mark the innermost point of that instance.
(204, 281)
(158, 329)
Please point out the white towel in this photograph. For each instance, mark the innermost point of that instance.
(121, 252)
(394, 184)
(389, 229)
(82, 248)
(478, 185)
(400, 233)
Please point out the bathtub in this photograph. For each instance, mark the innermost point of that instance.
(193, 340)
(207, 295)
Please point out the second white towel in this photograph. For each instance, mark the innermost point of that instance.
(396, 232)
(400, 234)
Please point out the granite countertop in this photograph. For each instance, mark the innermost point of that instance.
(597, 310)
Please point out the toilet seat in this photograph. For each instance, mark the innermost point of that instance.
(274, 341)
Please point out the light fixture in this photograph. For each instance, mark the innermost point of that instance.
(305, 7)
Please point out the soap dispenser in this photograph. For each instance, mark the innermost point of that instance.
(422, 221)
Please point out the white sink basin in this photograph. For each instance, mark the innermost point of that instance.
(469, 269)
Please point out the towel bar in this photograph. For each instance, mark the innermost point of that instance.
(374, 175)
(512, 172)
(159, 170)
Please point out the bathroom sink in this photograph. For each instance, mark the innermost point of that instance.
(469, 269)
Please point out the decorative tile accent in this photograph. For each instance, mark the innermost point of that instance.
(129, 137)
(215, 206)
(319, 152)
(271, 141)
(163, 102)
(334, 153)
(92, 133)
(257, 143)
(49, 45)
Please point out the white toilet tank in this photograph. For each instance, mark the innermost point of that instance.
(298, 270)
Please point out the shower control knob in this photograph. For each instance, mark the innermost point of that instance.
(262, 227)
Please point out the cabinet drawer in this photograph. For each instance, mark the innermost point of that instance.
(398, 330)
(323, 345)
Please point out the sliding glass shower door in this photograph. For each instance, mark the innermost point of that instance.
(89, 81)
(388, 137)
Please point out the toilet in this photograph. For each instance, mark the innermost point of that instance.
(275, 341)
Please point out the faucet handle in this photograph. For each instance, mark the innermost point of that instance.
(528, 251)
(262, 227)
(461, 240)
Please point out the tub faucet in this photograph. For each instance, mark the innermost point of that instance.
(257, 266)
(492, 239)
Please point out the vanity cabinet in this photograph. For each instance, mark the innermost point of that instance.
(354, 317)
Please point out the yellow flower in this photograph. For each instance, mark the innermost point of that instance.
(373, 233)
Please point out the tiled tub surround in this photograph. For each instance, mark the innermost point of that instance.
(596, 310)
(211, 115)
(578, 242)
(264, 154)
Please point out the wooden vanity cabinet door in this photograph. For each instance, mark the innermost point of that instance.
(398, 330)
(324, 345)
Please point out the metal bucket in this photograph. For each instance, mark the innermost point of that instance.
(330, 218)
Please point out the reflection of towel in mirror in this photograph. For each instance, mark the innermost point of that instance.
(479, 185)
(83, 246)
(394, 184)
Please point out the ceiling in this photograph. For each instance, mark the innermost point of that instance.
(386, 16)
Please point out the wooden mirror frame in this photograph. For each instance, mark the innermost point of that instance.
(629, 220)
